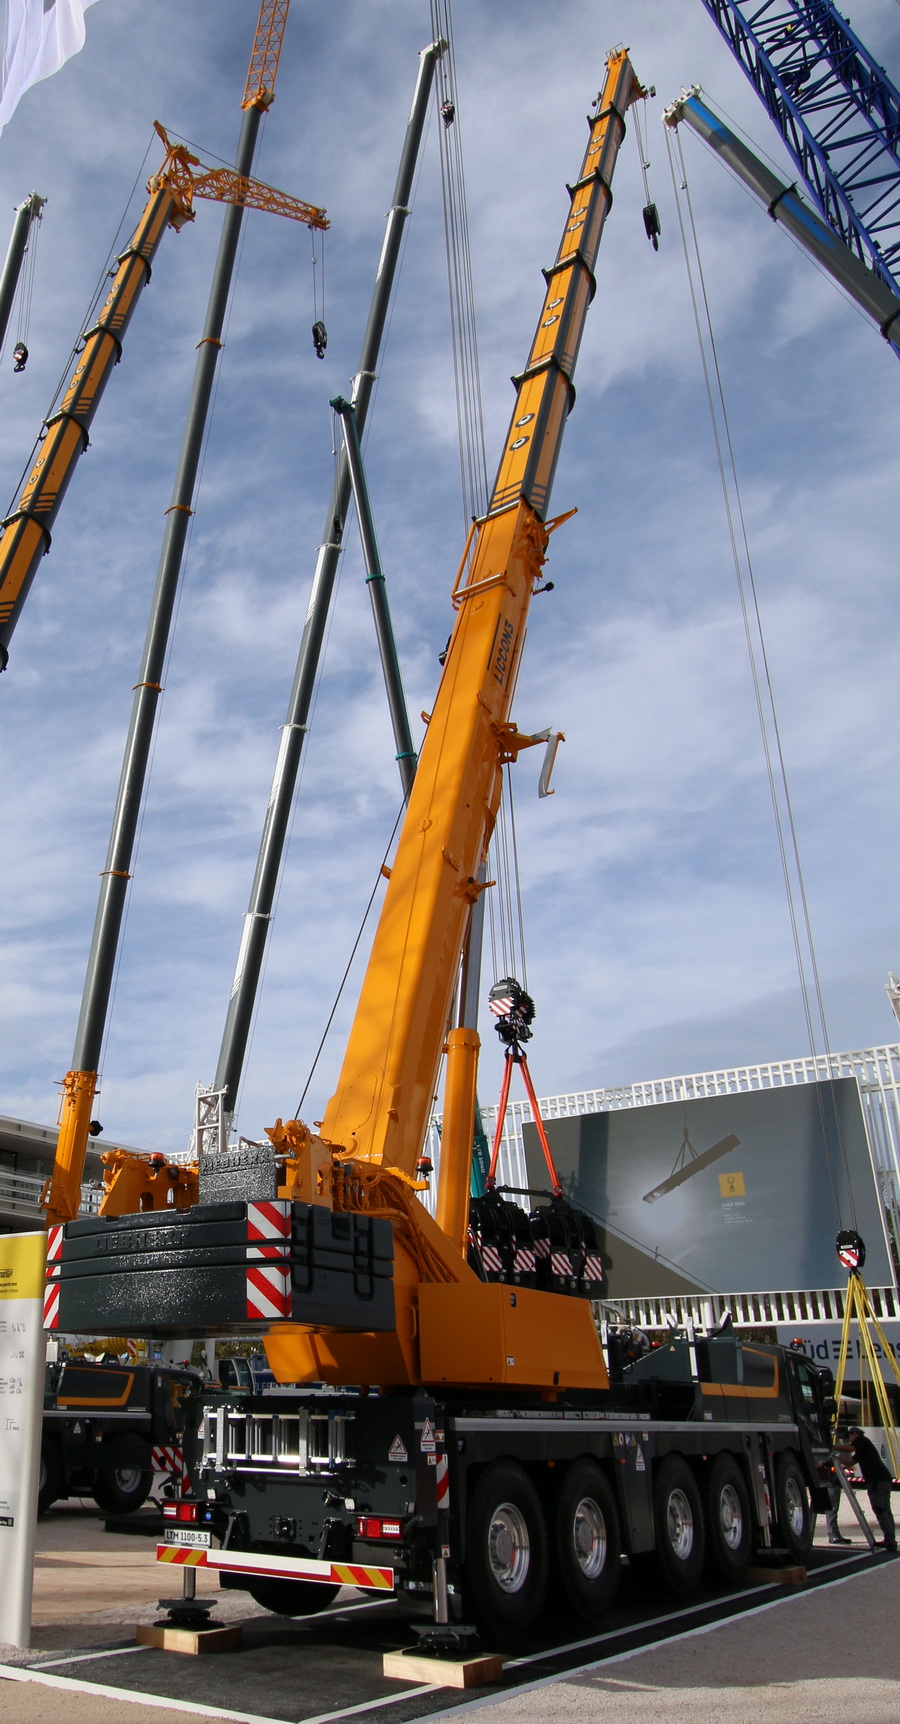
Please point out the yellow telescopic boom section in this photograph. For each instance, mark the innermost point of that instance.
(26, 532)
(380, 1110)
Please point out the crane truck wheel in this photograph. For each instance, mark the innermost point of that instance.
(121, 1490)
(506, 1552)
(792, 1509)
(587, 1541)
(50, 1482)
(728, 1519)
(678, 1524)
(292, 1597)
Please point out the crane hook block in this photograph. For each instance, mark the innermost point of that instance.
(320, 339)
(652, 226)
(20, 356)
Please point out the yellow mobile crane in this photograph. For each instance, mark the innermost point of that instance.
(500, 1455)
(26, 532)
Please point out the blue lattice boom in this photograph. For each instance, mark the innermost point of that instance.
(835, 108)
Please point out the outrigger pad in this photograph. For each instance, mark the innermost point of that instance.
(220, 1268)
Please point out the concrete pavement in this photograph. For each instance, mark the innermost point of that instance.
(818, 1657)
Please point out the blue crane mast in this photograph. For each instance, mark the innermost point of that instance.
(835, 108)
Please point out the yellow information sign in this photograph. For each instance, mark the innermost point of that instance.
(22, 1258)
(732, 1185)
(21, 1404)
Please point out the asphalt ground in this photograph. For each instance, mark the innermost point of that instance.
(826, 1652)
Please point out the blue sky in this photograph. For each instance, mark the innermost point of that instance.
(655, 919)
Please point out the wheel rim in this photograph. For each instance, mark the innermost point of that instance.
(509, 1548)
(589, 1538)
(731, 1519)
(796, 1509)
(127, 1479)
(680, 1523)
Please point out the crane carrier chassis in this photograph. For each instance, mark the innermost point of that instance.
(479, 1507)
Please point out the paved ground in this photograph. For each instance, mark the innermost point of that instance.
(812, 1658)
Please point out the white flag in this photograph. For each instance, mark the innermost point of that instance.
(38, 36)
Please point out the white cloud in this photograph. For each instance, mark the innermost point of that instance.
(656, 926)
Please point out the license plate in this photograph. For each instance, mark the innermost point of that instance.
(187, 1535)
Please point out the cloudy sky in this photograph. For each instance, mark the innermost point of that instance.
(655, 917)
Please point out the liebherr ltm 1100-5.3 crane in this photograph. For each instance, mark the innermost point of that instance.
(502, 1453)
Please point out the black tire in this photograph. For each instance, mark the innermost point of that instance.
(121, 1490)
(506, 1553)
(587, 1542)
(792, 1510)
(728, 1525)
(678, 1525)
(50, 1483)
(292, 1597)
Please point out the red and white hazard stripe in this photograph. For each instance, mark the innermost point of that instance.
(524, 1260)
(51, 1305)
(268, 1224)
(491, 1259)
(561, 1263)
(171, 1460)
(268, 1291)
(442, 1479)
(593, 1267)
(268, 1264)
(52, 1270)
(281, 1567)
(542, 1248)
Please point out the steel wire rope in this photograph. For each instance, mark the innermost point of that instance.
(505, 912)
(335, 453)
(353, 951)
(176, 612)
(463, 328)
(26, 285)
(761, 677)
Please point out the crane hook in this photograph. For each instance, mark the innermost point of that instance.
(320, 339)
(20, 356)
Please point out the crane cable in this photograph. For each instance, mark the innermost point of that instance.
(463, 332)
(505, 917)
(764, 694)
(26, 289)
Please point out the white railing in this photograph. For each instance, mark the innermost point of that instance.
(748, 1310)
(20, 1195)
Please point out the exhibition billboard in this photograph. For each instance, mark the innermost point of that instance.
(733, 1193)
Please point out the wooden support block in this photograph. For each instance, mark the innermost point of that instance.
(191, 1640)
(444, 1672)
(776, 1576)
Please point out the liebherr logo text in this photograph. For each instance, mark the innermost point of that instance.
(501, 662)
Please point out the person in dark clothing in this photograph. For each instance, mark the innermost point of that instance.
(878, 1480)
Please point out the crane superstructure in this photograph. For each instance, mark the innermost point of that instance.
(836, 110)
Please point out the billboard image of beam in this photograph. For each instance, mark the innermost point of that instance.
(686, 1168)
(755, 1209)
